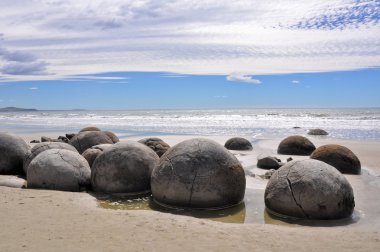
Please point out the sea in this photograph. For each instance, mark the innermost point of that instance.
(346, 123)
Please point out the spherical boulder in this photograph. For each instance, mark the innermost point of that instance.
(92, 153)
(90, 128)
(269, 163)
(296, 145)
(87, 139)
(238, 143)
(124, 168)
(338, 156)
(112, 135)
(38, 148)
(13, 150)
(59, 169)
(309, 189)
(198, 173)
(317, 132)
(156, 144)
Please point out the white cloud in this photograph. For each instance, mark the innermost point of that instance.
(242, 78)
(190, 37)
(295, 82)
(33, 88)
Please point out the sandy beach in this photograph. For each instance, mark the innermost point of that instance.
(42, 220)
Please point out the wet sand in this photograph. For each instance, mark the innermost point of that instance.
(35, 220)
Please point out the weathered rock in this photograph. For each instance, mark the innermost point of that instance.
(296, 127)
(112, 135)
(13, 149)
(309, 189)
(338, 156)
(317, 132)
(296, 145)
(90, 128)
(269, 163)
(45, 139)
(70, 135)
(238, 143)
(59, 169)
(156, 144)
(289, 159)
(92, 153)
(34, 141)
(63, 139)
(198, 173)
(87, 139)
(38, 148)
(124, 168)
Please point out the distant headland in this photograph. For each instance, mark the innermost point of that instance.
(15, 109)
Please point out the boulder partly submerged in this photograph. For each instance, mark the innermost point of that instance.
(13, 150)
(238, 143)
(339, 157)
(296, 145)
(317, 132)
(198, 173)
(309, 189)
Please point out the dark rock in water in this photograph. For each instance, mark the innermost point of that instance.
(338, 156)
(63, 139)
(296, 145)
(38, 148)
(87, 139)
(59, 169)
(296, 127)
(112, 135)
(156, 144)
(317, 132)
(70, 135)
(45, 139)
(90, 128)
(34, 141)
(289, 159)
(238, 143)
(309, 189)
(198, 173)
(269, 163)
(13, 149)
(92, 153)
(124, 168)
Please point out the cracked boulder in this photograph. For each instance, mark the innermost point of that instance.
(87, 139)
(238, 143)
(124, 168)
(317, 132)
(309, 189)
(198, 173)
(59, 169)
(338, 156)
(156, 144)
(13, 150)
(38, 148)
(90, 128)
(92, 153)
(296, 145)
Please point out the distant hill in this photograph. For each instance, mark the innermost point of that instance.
(14, 109)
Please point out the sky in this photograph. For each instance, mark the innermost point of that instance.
(142, 54)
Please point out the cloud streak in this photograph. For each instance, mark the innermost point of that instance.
(243, 78)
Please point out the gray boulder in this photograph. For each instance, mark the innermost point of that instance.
(70, 135)
(156, 144)
(124, 168)
(112, 135)
(309, 189)
(338, 156)
(92, 153)
(296, 145)
(87, 139)
(198, 173)
(38, 148)
(90, 128)
(13, 150)
(238, 143)
(269, 163)
(317, 132)
(59, 169)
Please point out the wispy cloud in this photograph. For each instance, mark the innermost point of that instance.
(295, 82)
(33, 88)
(242, 78)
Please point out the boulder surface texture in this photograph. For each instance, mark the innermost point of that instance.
(13, 150)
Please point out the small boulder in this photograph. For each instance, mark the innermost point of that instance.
(62, 170)
(90, 128)
(63, 139)
(269, 163)
(309, 189)
(338, 156)
(156, 144)
(34, 141)
(289, 159)
(13, 150)
(317, 132)
(296, 145)
(45, 139)
(92, 153)
(238, 143)
(87, 139)
(112, 135)
(70, 135)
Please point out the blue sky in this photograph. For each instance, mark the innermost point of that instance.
(189, 53)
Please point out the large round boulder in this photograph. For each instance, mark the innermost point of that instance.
(309, 189)
(156, 144)
(338, 156)
(238, 143)
(198, 173)
(87, 139)
(124, 168)
(296, 145)
(38, 148)
(13, 150)
(92, 153)
(90, 128)
(317, 132)
(59, 169)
